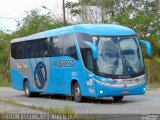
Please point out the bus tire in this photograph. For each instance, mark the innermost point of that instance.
(27, 91)
(118, 98)
(77, 93)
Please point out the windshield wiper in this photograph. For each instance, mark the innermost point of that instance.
(105, 74)
(101, 73)
(127, 63)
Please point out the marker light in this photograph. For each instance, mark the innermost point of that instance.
(144, 89)
(101, 91)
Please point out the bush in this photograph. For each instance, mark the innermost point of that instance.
(152, 67)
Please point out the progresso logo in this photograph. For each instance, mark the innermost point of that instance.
(64, 63)
(40, 75)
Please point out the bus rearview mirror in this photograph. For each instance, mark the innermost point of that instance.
(148, 47)
(93, 48)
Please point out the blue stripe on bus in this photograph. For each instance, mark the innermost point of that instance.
(36, 61)
(42, 59)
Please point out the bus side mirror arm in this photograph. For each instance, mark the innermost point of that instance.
(93, 48)
(148, 47)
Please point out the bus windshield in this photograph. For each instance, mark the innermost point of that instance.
(118, 55)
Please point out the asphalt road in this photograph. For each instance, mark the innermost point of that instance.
(143, 104)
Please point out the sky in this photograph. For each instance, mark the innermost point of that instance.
(12, 10)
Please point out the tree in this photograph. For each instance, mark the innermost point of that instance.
(143, 16)
(34, 22)
(4, 56)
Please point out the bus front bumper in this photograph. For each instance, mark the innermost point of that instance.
(107, 91)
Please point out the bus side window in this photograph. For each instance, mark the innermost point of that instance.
(43, 48)
(69, 48)
(14, 50)
(89, 60)
(19, 50)
(55, 46)
(33, 49)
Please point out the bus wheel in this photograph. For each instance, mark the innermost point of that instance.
(28, 93)
(118, 98)
(77, 93)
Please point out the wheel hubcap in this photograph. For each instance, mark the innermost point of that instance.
(77, 92)
(27, 90)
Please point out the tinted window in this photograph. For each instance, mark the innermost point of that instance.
(55, 46)
(82, 37)
(63, 46)
(33, 45)
(69, 48)
(30, 49)
(38, 48)
(19, 50)
(14, 50)
(23, 50)
(86, 51)
(51, 47)
(43, 48)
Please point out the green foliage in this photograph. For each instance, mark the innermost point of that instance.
(74, 8)
(34, 22)
(4, 59)
(143, 16)
(152, 70)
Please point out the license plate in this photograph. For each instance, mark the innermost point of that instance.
(125, 92)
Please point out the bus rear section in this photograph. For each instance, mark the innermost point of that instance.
(45, 65)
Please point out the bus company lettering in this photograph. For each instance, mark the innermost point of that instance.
(64, 63)
(21, 66)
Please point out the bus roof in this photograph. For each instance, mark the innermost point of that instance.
(92, 29)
